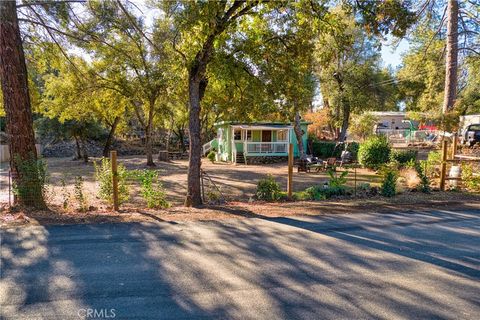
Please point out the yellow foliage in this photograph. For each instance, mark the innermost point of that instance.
(319, 120)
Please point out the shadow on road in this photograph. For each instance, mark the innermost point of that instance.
(246, 268)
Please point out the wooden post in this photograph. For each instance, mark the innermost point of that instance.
(202, 185)
(454, 146)
(113, 160)
(355, 190)
(443, 171)
(290, 171)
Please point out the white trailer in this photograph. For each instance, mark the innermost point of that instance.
(468, 120)
(465, 122)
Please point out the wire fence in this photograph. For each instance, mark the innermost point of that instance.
(412, 137)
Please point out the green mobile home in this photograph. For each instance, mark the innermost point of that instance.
(240, 142)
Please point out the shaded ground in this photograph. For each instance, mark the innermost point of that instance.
(415, 265)
(237, 182)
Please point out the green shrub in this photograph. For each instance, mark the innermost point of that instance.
(32, 179)
(79, 194)
(211, 156)
(389, 176)
(471, 181)
(374, 152)
(326, 149)
(152, 190)
(424, 185)
(337, 181)
(268, 189)
(103, 175)
(322, 192)
(323, 149)
(403, 156)
(433, 162)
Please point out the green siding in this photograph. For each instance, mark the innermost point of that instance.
(224, 146)
(256, 135)
(239, 146)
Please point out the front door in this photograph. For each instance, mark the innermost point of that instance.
(267, 136)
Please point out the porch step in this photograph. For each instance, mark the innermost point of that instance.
(240, 158)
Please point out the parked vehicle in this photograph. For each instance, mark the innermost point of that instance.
(471, 135)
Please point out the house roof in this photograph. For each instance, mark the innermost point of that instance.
(388, 113)
(260, 124)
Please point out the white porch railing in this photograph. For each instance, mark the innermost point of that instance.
(265, 147)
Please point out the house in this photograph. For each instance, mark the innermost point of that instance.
(240, 142)
(391, 120)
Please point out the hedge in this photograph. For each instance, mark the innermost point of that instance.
(326, 149)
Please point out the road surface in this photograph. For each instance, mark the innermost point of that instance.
(413, 265)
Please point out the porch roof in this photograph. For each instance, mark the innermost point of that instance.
(270, 125)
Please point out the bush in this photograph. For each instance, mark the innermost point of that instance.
(320, 192)
(434, 159)
(152, 190)
(424, 185)
(32, 179)
(389, 181)
(471, 181)
(374, 152)
(326, 149)
(268, 189)
(403, 156)
(103, 175)
(211, 156)
(79, 194)
(337, 181)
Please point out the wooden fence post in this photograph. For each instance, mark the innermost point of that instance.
(443, 171)
(454, 146)
(113, 160)
(290, 171)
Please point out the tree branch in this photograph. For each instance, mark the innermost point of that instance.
(41, 3)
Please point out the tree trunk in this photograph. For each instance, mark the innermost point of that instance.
(111, 134)
(194, 197)
(345, 121)
(78, 149)
(148, 136)
(451, 63)
(83, 148)
(345, 105)
(298, 133)
(16, 101)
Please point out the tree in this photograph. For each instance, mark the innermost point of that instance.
(452, 56)
(212, 19)
(16, 102)
(363, 125)
(319, 121)
(349, 71)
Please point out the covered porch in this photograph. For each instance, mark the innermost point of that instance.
(254, 140)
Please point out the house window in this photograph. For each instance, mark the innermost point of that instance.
(282, 135)
(237, 134)
(248, 135)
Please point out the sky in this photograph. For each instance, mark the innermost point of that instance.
(391, 55)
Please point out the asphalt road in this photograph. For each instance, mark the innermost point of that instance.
(423, 265)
